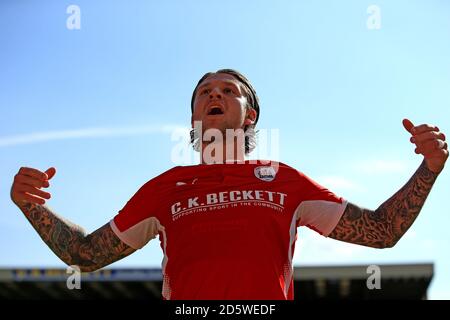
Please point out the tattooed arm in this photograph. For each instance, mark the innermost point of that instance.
(383, 227)
(71, 243)
(68, 241)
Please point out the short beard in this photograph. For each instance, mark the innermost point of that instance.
(249, 134)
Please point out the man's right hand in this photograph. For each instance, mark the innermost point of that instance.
(28, 183)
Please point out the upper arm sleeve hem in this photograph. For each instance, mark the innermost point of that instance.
(321, 216)
(336, 219)
(122, 236)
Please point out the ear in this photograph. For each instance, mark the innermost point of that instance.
(250, 117)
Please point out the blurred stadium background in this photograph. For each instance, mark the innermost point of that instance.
(399, 281)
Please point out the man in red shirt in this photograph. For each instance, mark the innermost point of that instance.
(228, 227)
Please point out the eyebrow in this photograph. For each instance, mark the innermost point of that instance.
(228, 82)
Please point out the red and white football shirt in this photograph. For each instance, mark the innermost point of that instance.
(227, 231)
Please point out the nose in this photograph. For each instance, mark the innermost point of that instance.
(215, 93)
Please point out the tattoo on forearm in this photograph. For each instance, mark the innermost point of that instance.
(386, 225)
(70, 242)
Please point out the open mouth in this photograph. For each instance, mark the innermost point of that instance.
(215, 110)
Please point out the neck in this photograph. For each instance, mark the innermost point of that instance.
(213, 152)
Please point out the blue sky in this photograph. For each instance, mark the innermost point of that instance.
(99, 104)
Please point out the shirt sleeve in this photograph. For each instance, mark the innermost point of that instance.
(319, 209)
(137, 223)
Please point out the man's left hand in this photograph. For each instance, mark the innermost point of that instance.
(430, 142)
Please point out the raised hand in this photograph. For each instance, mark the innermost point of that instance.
(430, 142)
(28, 183)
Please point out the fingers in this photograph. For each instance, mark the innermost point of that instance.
(408, 125)
(33, 173)
(50, 172)
(22, 179)
(429, 135)
(430, 143)
(416, 130)
(431, 147)
(424, 128)
(427, 138)
(27, 184)
(32, 191)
